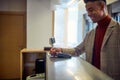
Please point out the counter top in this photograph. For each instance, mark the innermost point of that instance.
(72, 69)
(31, 50)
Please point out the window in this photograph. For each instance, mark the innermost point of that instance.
(89, 25)
(59, 31)
(66, 27)
(72, 26)
(117, 17)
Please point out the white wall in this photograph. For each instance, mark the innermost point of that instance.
(39, 23)
(12, 5)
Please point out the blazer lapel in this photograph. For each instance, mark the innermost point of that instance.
(107, 35)
(108, 31)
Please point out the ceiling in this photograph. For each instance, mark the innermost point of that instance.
(110, 1)
(67, 1)
(63, 3)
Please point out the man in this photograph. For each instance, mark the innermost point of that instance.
(102, 44)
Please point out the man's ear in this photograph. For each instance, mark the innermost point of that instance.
(102, 5)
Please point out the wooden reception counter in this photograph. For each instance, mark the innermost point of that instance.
(27, 61)
(59, 68)
(73, 69)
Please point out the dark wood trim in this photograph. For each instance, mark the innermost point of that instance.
(12, 13)
(11, 79)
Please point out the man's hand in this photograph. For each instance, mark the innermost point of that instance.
(54, 51)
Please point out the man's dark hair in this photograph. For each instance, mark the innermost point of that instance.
(85, 1)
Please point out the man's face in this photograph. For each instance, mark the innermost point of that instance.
(94, 11)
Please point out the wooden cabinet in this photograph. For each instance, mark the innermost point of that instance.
(27, 61)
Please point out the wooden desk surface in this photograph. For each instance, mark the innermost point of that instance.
(31, 50)
(73, 69)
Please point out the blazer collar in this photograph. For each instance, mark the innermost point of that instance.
(112, 23)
